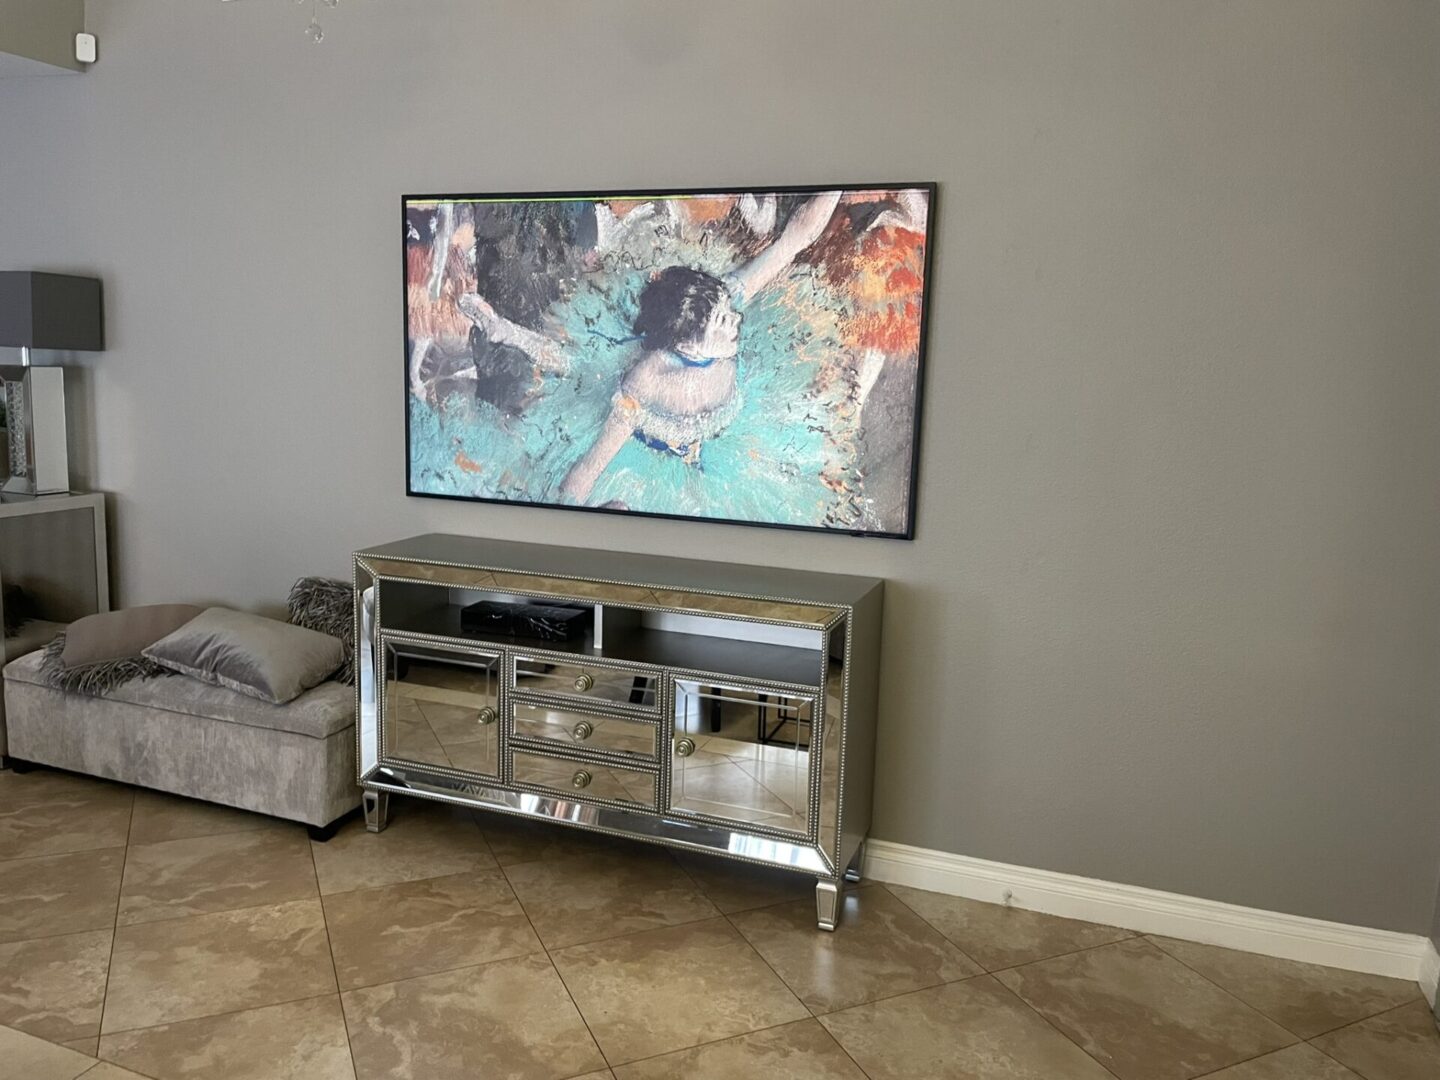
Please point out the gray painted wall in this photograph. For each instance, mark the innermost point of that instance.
(1171, 615)
(42, 30)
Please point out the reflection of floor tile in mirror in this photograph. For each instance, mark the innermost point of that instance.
(455, 723)
(478, 757)
(413, 739)
(727, 790)
(721, 747)
(789, 783)
(641, 791)
(625, 736)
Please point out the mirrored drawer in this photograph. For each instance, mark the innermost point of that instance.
(574, 728)
(583, 779)
(639, 687)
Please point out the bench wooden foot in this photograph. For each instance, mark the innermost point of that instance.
(321, 833)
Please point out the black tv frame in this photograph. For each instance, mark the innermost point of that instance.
(930, 187)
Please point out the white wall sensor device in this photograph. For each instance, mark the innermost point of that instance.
(85, 48)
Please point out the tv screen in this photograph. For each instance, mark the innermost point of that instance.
(751, 356)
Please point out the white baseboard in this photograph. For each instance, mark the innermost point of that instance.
(1430, 973)
(1149, 911)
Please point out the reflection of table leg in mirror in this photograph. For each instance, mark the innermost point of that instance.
(783, 715)
(637, 690)
(377, 810)
(827, 902)
(715, 714)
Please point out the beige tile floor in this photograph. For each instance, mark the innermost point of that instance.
(176, 941)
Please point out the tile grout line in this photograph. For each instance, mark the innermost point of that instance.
(1256, 1009)
(813, 1017)
(1364, 1020)
(715, 914)
(944, 936)
(74, 851)
(1227, 993)
(742, 1035)
(1311, 1043)
(330, 951)
(718, 914)
(667, 926)
(578, 1011)
(115, 928)
(884, 997)
(1331, 1057)
(325, 918)
(545, 951)
(1130, 936)
(105, 1061)
(440, 971)
(314, 899)
(1054, 1026)
(316, 896)
(1133, 937)
(60, 854)
(52, 937)
(1244, 1061)
(215, 1016)
(990, 974)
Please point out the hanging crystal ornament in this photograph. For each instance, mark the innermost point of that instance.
(315, 32)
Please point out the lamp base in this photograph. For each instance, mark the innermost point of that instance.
(35, 415)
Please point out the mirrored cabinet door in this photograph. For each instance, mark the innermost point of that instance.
(742, 754)
(441, 708)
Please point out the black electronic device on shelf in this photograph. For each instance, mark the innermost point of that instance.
(542, 622)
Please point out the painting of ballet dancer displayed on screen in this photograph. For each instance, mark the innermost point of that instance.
(745, 356)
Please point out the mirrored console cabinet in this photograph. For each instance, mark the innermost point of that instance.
(706, 706)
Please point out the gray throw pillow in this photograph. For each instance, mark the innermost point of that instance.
(97, 653)
(265, 658)
(123, 634)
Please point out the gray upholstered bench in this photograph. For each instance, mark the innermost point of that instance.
(181, 735)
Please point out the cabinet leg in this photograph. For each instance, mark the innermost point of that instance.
(827, 903)
(377, 810)
(852, 872)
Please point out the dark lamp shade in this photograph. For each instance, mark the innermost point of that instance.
(50, 311)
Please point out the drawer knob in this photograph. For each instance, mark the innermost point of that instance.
(685, 747)
(581, 779)
(584, 681)
(583, 730)
(487, 716)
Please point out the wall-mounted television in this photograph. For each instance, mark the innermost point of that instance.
(747, 355)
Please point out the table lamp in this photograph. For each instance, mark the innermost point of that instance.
(43, 311)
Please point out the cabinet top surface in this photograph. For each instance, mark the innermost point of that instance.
(627, 568)
(12, 505)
